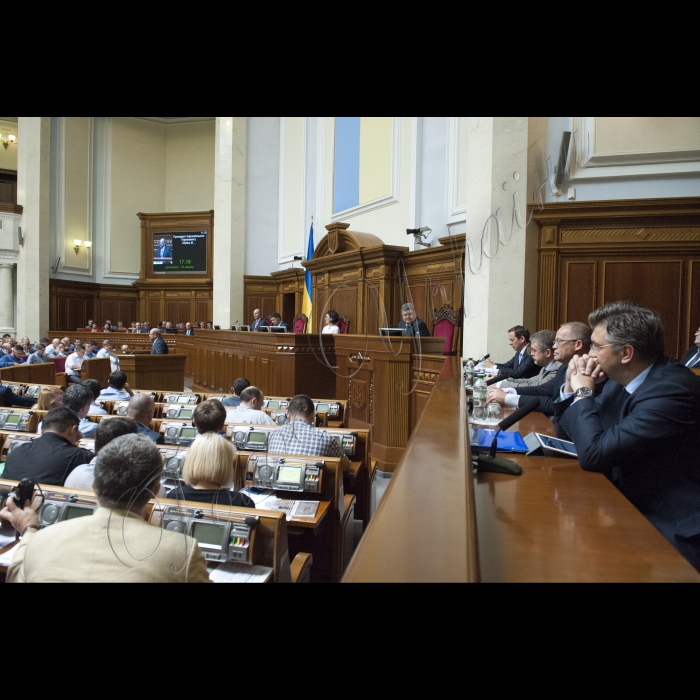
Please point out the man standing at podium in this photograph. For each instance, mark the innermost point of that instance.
(160, 347)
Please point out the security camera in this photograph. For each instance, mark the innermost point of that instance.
(420, 234)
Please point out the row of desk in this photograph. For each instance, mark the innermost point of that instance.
(385, 381)
(442, 522)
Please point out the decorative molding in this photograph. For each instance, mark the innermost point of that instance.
(630, 235)
(393, 198)
(9, 255)
(286, 259)
(61, 243)
(320, 217)
(547, 290)
(108, 272)
(416, 171)
(455, 213)
(587, 163)
(176, 120)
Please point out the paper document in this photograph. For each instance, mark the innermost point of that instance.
(233, 572)
(292, 509)
(257, 495)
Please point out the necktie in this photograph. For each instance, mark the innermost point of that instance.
(694, 360)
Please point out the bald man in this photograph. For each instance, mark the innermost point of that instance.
(141, 410)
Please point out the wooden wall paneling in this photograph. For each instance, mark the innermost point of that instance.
(547, 315)
(579, 290)
(657, 284)
(155, 313)
(76, 311)
(203, 313)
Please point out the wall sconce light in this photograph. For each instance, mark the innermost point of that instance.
(80, 244)
(10, 139)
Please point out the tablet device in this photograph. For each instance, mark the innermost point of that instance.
(549, 446)
(392, 332)
(510, 441)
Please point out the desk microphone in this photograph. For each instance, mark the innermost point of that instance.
(483, 359)
(140, 347)
(499, 465)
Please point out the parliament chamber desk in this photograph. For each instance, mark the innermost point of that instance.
(386, 381)
(440, 521)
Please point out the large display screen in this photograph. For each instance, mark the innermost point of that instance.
(180, 253)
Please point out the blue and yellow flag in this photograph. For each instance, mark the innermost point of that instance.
(307, 304)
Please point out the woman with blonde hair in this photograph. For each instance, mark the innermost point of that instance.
(208, 473)
(49, 399)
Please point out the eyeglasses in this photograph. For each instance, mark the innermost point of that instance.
(559, 341)
(595, 346)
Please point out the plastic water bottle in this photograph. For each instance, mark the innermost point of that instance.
(469, 373)
(479, 397)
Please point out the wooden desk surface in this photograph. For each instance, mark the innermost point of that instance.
(559, 523)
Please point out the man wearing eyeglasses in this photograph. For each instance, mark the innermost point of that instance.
(642, 431)
(571, 339)
(522, 366)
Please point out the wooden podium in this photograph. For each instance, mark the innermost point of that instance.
(159, 372)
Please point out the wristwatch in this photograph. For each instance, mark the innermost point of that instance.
(584, 393)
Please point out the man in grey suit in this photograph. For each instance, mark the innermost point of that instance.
(542, 351)
(160, 347)
(115, 544)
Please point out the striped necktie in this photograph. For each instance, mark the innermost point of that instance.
(694, 360)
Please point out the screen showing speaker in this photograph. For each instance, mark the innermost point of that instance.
(180, 253)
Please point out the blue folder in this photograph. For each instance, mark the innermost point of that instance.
(510, 441)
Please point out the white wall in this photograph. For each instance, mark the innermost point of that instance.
(262, 209)
(189, 166)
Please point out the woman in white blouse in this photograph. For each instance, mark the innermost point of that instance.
(331, 327)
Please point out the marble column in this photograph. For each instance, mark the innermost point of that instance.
(230, 219)
(7, 299)
(34, 179)
(497, 169)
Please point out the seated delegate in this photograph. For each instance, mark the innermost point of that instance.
(115, 544)
(522, 365)
(331, 327)
(52, 457)
(641, 431)
(411, 325)
(208, 474)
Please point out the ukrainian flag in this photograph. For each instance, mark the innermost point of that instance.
(307, 303)
(362, 162)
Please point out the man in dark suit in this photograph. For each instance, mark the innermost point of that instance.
(691, 359)
(276, 320)
(188, 329)
(571, 339)
(258, 321)
(164, 250)
(160, 347)
(522, 366)
(642, 430)
(411, 325)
